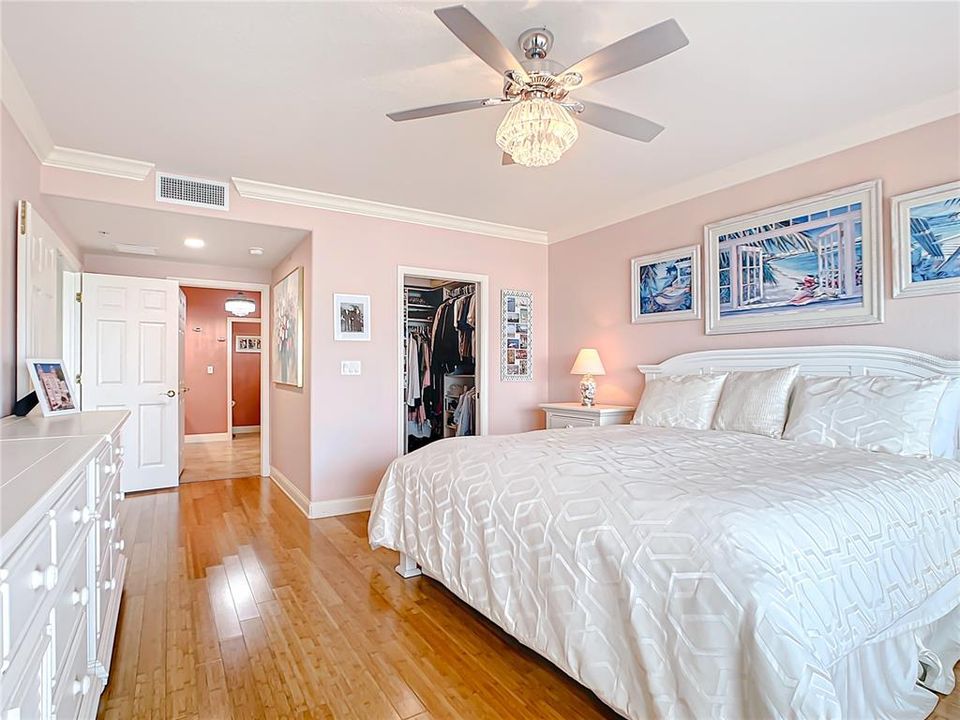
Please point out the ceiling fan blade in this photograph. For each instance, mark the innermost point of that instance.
(506, 159)
(631, 52)
(483, 43)
(445, 109)
(619, 122)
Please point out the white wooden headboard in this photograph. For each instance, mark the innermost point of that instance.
(839, 360)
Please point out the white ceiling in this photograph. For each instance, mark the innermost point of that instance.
(227, 242)
(295, 93)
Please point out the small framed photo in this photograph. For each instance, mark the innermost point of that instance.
(53, 386)
(666, 286)
(351, 317)
(926, 241)
(247, 343)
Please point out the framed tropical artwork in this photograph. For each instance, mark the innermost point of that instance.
(287, 350)
(665, 286)
(815, 262)
(926, 241)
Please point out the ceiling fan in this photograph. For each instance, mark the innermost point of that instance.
(539, 126)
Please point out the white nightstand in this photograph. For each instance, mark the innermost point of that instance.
(572, 414)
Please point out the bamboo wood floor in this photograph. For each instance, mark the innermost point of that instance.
(236, 606)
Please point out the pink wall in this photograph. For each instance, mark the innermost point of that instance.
(590, 274)
(348, 428)
(206, 410)
(159, 268)
(19, 180)
(246, 379)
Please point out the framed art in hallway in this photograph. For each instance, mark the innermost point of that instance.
(351, 317)
(815, 262)
(54, 389)
(926, 241)
(287, 355)
(665, 286)
(247, 343)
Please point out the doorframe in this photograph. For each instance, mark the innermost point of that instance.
(482, 360)
(265, 331)
(230, 322)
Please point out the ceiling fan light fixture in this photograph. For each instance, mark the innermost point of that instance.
(536, 132)
(240, 305)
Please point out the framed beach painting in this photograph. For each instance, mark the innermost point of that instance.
(926, 241)
(287, 355)
(666, 286)
(816, 262)
(351, 317)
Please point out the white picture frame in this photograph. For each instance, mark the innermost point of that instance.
(681, 264)
(516, 336)
(848, 292)
(246, 343)
(351, 317)
(906, 256)
(54, 388)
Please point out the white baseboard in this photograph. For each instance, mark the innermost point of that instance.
(206, 437)
(343, 506)
(240, 429)
(320, 508)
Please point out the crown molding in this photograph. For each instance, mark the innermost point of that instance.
(16, 98)
(759, 166)
(256, 190)
(84, 161)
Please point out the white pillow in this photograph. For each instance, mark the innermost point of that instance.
(684, 401)
(943, 441)
(756, 402)
(883, 414)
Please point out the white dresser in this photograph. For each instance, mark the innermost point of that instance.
(573, 414)
(61, 562)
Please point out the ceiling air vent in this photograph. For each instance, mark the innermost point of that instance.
(192, 191)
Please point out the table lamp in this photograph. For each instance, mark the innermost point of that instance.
(587, 364)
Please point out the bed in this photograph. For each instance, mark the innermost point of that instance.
(698, 573)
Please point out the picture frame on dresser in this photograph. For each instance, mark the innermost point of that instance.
(813, 262)
(55, 391)
(925, 230)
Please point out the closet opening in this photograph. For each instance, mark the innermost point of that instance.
(443, 349)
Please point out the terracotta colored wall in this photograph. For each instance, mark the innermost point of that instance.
(590, 274)
(246, 379)
(206, 410)
(19, 180)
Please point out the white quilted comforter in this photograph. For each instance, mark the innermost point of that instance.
(682, 573)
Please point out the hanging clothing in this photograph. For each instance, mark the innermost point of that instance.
(413, 370)
(465, 415)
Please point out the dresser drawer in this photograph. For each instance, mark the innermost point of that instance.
(70, 609)
(569, 421)
(106, 531)
(106, 468)
(106, 585)
(72, 515)
(25, 579)
(28, 695)
(74, 683)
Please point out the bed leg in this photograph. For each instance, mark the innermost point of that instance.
(407, 567)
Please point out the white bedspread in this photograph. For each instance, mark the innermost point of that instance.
(684, 573)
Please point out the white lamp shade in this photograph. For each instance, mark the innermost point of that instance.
(587, 363)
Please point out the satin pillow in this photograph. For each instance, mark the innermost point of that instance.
(943, 440)
(756, 402)
(883, 414)
(683, 401)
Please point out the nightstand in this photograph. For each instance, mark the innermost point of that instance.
(573, 414)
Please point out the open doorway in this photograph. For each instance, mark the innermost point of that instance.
(222, 363)
(442, 345)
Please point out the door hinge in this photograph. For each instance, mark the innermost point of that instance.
(77, 379)
(23, 217)
(79, 297)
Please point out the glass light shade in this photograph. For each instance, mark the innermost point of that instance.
(240, 306)
(536, 132)
(587, 363)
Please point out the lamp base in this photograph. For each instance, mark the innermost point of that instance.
(588, 390)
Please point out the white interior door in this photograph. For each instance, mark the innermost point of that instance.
(182, 370)
(130, 347)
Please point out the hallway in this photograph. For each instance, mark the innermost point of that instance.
(222, 460)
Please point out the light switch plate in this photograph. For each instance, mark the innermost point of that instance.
(209, 369)
(349, 367)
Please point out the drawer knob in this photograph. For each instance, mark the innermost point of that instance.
(81, 597)
(111, 469)
(81, 686)
(118, 496)
(46, 578)
(109, 524)
(109, 584)
(120, 451)
(81, 515)
(119, 545)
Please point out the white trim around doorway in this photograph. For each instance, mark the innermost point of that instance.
(482, 362)
(231, 430)
(265, 329)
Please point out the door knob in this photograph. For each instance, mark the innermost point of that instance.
(171, 393)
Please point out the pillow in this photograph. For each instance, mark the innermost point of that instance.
(684, 401)
(883, 414)
(756, 402)
(943, 441)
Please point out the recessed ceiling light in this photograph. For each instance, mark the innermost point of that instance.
(195, 243)
(256, 251)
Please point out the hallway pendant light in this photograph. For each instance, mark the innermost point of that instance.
(239, 305)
